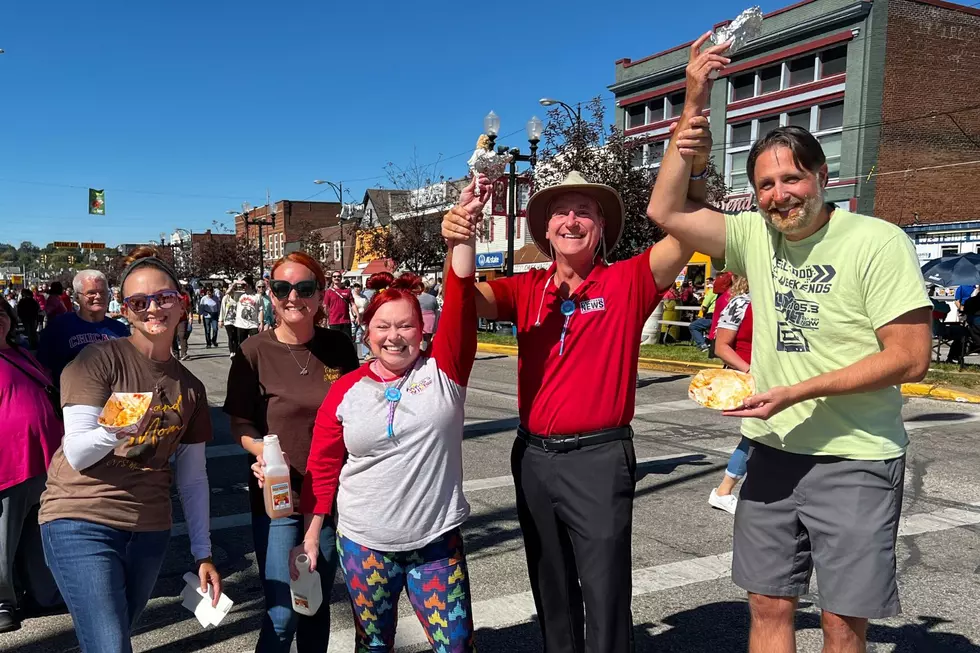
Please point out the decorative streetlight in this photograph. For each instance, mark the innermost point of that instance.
(258, 222)
(534, 127)
(575, 114)
(339, 189)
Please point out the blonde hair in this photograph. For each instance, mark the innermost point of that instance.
(740, 285)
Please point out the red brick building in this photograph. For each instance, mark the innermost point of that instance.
(292, 221)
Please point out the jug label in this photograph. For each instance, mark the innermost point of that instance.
(301, 601)
(280, 497)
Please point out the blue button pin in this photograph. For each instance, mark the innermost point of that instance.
(393, 395)
(567, 307)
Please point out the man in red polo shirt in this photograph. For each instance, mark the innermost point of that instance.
(579, 326)
(338, 303)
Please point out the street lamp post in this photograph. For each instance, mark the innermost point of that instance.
(270, 221)
(339, 189)
(491, 125)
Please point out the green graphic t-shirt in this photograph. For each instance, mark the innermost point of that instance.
(817, 303)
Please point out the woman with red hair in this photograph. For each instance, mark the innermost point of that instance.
(387, 446)
(275, 386)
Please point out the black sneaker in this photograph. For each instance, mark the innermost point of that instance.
(8, 621)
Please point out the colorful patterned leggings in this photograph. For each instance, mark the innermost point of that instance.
(438, 586)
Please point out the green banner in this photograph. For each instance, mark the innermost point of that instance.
(96, 201)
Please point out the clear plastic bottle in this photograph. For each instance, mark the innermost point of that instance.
(306, 592)
(277, 491)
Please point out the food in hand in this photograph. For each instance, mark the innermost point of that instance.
(746, 27)
(721, 389)
(125, 409)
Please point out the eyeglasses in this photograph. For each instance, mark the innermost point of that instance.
(164, 299)
(304, 289)
(92, 294)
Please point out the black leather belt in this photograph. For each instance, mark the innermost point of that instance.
(563, 443)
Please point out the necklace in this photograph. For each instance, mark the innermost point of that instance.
(392, 395)
(303, 369)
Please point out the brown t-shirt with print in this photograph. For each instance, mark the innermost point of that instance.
(129, 489)
(266, 387)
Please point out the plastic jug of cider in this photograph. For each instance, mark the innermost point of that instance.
(277, 492)
(306, 592)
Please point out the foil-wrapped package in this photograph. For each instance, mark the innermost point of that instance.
(486, 161)
(746, 27)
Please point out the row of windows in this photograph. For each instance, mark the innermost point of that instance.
(276, 246)
(770, 79)
(336, 250)
(780, 76)
(647, 113)
(825, 121)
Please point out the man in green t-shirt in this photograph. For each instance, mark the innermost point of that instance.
(841, 320)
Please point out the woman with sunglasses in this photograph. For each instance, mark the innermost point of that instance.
(388, 446)
(105, 516)
(275, 386)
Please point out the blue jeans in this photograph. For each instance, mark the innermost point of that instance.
(737, 461)
(699, 328)
(210, 329)
(105, 575)
(274, 538)
(362, 349)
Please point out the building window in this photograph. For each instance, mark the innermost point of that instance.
(825, 122)
(802, 70)
(743, 87)
(337, 250)
(833, 61)
(778, 77)
(771, 79)
(323, 252)
(636, 116)
(675, 104)
(656, 112)
(949, 250)
(649, 154)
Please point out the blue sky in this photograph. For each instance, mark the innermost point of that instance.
(202, 105)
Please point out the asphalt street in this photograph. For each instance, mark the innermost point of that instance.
(683, 599)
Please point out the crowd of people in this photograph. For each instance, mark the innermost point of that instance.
(374, 448)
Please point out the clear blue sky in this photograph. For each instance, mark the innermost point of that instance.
(202, 105)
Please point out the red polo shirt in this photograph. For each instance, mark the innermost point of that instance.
(592, 385)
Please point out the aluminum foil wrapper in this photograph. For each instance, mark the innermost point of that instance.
(489, 163)
(746, 27)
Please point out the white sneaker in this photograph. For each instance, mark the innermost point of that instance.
(726, 502)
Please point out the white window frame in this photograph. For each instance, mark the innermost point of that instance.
(783, 121)
(337, 251)
(784, 78)
(647, 155)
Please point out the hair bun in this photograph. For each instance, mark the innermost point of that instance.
(143, 251)
(379, 281)
(410, 282)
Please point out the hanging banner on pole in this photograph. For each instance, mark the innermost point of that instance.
(499, 200)
(96, 201)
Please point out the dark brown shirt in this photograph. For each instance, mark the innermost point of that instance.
(129, 488)
(265, 387)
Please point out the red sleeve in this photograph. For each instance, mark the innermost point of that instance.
(454, 345)
(327, 450)
(505, 296)
(645, 286)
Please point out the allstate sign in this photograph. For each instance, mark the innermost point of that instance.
(490, 260)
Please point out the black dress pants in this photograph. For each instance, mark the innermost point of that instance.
(576, 513)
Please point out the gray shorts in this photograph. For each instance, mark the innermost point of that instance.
(797, 513)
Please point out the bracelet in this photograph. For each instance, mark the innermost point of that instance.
(701, 175)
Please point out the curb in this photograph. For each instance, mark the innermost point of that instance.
(932, 391)
(926, 390)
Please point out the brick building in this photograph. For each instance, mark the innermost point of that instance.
(891, 88)
(292, 221)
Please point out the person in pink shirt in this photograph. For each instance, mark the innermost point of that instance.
(32, 433)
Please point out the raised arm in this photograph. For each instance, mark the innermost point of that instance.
(695, 224)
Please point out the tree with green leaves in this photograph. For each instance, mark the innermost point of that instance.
(604, 155)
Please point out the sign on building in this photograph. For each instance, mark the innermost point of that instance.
(737, 203)
(66, 244)
(486, 260)
(93, 245)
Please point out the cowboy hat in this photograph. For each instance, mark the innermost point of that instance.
(610, 203)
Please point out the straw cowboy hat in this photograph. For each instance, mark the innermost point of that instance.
(610, 203)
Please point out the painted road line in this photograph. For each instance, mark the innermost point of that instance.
(519, 608)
